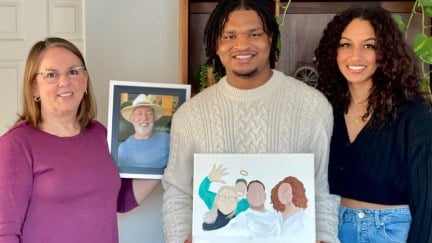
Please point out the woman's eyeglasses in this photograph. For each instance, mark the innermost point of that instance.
(72, 74)
(227, 198)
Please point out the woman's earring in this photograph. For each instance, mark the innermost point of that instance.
(85, 92)
(36, 99)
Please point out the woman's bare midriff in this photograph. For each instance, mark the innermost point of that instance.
(352, 203)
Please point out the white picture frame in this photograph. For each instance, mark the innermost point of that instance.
(123, 93)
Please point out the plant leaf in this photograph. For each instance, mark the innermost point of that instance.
(419, 42)
(279, 41)
(423, 47)
(425, 3)
(397, 18)
(426, 58)
(426, 84)
(428, 11)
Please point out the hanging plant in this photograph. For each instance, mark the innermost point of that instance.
(206, 76)
(285, 7)
(422, 43)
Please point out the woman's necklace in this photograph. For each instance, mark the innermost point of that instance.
(358, 119)
(354, 110)
(358, 103)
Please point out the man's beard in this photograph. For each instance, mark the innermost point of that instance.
(144, 131)
(250, 74)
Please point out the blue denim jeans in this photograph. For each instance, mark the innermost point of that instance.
(374, 225)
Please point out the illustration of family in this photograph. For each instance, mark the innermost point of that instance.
(239, 210)
(145, 147)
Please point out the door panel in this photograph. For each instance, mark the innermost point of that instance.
(22, 24)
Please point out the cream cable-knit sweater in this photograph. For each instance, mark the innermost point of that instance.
(282, 116)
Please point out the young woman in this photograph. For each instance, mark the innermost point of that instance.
(381, 148)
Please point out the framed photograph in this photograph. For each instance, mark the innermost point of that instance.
(139, 122)
(253, 198)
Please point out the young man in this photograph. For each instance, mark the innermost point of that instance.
(253, 109)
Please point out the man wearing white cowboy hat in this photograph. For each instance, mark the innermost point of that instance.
(146, 147)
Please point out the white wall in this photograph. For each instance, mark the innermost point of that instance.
(135, 40)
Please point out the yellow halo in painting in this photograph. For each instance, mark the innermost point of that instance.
(244, 172)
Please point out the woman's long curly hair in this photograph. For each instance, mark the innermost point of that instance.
(299, 198)
(397, 79)
(219, 17)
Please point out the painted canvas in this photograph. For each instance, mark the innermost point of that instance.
(253, 198)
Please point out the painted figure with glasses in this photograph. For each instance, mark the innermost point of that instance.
(223, 210)
(215, 176)
(58, 182)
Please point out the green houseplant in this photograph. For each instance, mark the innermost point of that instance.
(206, 76)
(422, 43)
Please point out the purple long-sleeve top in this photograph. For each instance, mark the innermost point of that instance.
(60, 189)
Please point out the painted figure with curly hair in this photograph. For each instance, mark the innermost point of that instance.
(381, 148)
(289, 200)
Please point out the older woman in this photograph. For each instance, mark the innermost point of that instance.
(58, 182)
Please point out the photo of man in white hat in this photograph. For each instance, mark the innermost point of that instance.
(146, 147)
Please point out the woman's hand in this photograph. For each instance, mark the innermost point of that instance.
(217, 173)
(189, 239)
